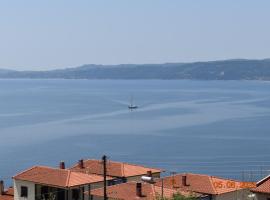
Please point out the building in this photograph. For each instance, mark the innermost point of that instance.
(214, 188)
(39, 182)
(6, 194)
(121, 172)
(262, 191)
(135, 190)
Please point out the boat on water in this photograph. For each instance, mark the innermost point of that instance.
(131, 105)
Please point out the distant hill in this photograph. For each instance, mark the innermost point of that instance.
(215, 70)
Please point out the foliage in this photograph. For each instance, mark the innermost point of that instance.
(181, 197)
(215, 70)
(177, 197)
(51, 196)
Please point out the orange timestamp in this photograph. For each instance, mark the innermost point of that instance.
(233, 185)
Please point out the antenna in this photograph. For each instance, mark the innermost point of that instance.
(131, 100)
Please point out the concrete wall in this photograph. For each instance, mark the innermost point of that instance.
(261, 196)
(84, 189)
(17, 190)
(156, 175)
(236, 195)
(92, 186)
(97, 198)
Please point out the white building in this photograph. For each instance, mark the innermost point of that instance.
(45, 183)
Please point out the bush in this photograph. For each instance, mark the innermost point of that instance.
(178, 197)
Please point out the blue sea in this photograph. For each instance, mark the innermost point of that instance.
(219, 128)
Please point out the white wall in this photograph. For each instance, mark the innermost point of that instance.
(31, 190)
(17, 190)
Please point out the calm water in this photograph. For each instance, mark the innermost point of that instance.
(214, 127)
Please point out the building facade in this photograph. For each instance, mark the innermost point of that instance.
(262, 191)
(44, 183)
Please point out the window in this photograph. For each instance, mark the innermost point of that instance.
(24, 191)
(44, 192)
(75, 194)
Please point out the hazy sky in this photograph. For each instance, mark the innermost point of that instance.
(36, 34)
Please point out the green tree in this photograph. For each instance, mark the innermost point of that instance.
(178, 197)
(181, 197)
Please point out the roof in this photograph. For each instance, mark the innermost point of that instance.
(263, 186)
(114, 169)
(127, 191)
(204, 184)
(57, 177)
(8, 194)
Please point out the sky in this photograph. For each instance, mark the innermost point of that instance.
(50, 34)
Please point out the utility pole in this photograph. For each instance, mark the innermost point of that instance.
(261, 170)
(104, 160)
(89, 192)
(162, 189)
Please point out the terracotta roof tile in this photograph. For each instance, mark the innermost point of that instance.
(114, 169)
(263, 186)
(200, 183)
(57, 177)
(127, 191)
(8, 195)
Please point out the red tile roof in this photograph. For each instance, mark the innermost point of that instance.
(114, 169)
(57, 177)
(263, 186)
(204, 184)
(8, 194)
(127, 191)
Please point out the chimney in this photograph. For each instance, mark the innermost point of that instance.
(62, 165)
(149, 173)
(80, 163)
(139, 189)
(184, 180)
(2, 187)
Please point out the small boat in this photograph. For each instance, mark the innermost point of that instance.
(131, 105)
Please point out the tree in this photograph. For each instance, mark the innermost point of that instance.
(181, 197)
(51, 196)
(178, 197)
